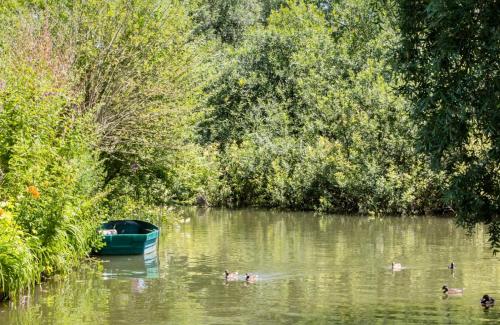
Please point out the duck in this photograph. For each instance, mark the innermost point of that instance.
(487, 301)
(250, 278)
(230, 276)
(452, 291)
(396, 266)
(452, 266)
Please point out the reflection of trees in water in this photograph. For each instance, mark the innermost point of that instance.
(331, 261)
(311, 268)
(80, 297)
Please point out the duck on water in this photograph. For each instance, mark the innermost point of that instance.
(396, 266)
(487, 301)
(250, 278)
(230, 276)
(452, 291)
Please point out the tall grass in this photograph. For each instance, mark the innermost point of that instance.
(18, 267)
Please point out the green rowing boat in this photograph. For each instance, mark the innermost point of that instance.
(128, 237)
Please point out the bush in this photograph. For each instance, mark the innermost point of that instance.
(50, 172)
(18, 267)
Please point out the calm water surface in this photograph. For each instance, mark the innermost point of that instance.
(311, 270)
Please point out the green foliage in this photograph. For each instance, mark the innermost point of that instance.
(306, 117)
(49, 172)
(225, 20)
(18, 267)
(141, 73)
(449, 59)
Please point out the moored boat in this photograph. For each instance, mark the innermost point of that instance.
(128, 237)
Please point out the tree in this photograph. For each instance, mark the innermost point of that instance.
(449, 60)
(139, 69)
(305, 116)
(227, 20)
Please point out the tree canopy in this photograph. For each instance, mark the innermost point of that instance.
(449, 58)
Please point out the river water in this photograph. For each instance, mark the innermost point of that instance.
(310, 270)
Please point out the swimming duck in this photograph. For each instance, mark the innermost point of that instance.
(487, 301)
(452, 266)
(452, 291)
(396, 266)
(250, 278)
(230, 276)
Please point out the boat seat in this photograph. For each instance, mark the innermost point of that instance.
(127, 227)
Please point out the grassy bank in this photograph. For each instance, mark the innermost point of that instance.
(50, 175)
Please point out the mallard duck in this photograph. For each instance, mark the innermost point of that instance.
(396, 266)
(250, 278)
(452, 291)
(230, 276)
(487, 301)
(452, 266)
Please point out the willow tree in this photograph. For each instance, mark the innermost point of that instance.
(137, 66)
(449, 58)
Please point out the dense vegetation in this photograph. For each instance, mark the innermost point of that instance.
(109, 107)
(50, 174)
(449, 58)
(305, 117)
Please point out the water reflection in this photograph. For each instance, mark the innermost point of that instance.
(134, 266)
(311, 269)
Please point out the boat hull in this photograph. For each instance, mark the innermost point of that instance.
(133, 237)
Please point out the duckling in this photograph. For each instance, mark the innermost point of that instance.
(452, 266)
(487, 301)
(250, 278)
(396, 266)
(230, 276)
(452, 291)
